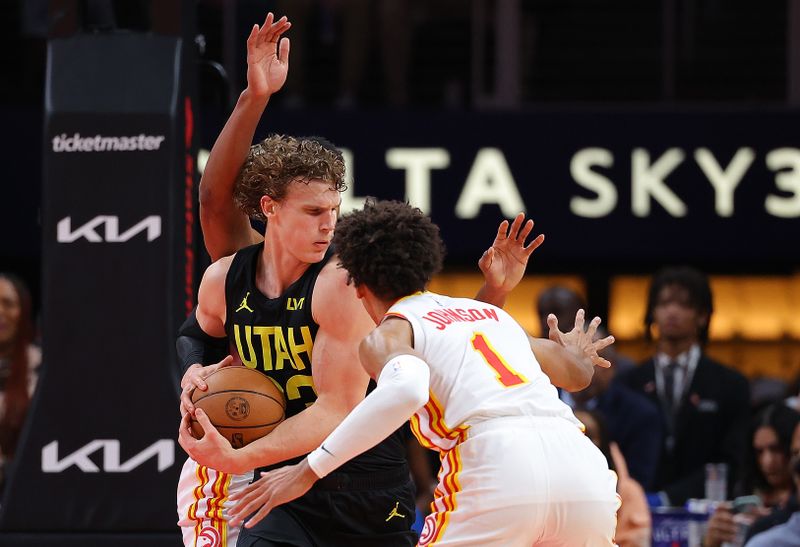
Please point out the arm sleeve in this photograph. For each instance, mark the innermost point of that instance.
(195, 346)
(401, 390)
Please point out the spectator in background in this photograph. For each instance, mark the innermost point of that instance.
(19, 361)
(766, 474)
(634, 525)
(633, 421)
(704, 405)
(787, 532)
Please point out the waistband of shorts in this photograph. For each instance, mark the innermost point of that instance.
(538, 422)
(377, 480)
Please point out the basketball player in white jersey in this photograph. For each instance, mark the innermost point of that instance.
(516, 468)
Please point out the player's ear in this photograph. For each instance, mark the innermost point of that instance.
(268, 206)
(359, 291)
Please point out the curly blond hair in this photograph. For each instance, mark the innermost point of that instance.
(279, 160)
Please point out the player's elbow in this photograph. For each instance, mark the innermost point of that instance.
(204, 193)
(409, 378)
(414, 395)
(212, 198)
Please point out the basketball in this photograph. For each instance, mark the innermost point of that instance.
(243, 404)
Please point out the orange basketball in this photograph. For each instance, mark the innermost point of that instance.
(243, 404)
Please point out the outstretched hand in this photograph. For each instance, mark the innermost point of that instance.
(580, 342)
(503, 264)
(267, 62)
(272, 489)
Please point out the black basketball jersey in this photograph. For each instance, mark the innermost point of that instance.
(276, 336)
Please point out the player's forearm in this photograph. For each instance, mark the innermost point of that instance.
(492, 295)
(232, 146)
(194, 345)
(225, 228)
(295, 436)
(563, 368)
(403, 387)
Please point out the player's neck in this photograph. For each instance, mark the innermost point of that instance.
(379, 310)
(376, 307)
(277, 270)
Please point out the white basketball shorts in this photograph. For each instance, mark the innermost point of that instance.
(203, 505)
(523, 481)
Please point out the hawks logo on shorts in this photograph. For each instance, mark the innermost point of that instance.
(208, 537)
(428, 531)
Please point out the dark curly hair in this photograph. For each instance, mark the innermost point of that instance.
(697, 286)
(389, 246)
(279, 160)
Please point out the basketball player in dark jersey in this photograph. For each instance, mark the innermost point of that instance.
(276, 300)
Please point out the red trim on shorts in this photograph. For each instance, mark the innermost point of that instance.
(202, 478)
(446, 495)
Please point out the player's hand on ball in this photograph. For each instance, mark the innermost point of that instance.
(274, 488)
(580, 342)
(213, 450)
(194, 378)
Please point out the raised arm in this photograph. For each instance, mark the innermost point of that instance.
(569, 358)
(225, 228)
(503, 264)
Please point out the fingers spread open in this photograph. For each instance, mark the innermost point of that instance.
(253, 34)
(513, 233)
(552, 322)
(600, 362)
(603, 343)
(579, 319)
(283, 50)
(502, 231)
(593, 324)
(527, 228)
(268, 21)
(486, 259)
(534, 244)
